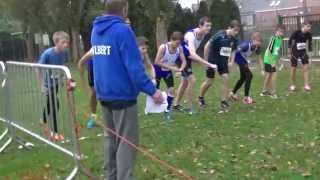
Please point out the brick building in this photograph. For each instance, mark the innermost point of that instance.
(265, 13)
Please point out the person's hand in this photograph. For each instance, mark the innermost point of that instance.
(262, 72)
(213, 66)
(157, 97)
(175, 69)
(181, 69)
(310, 54)
(230, 64)
(154, 81)
(178, 74)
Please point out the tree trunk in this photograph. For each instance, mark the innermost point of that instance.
(41, 45)
(161, 31)
(75, 44)
(30, 47)
(86, 41)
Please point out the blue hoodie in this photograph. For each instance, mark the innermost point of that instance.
(119, 72)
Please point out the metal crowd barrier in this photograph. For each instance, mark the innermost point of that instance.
(5, 138)
(38, 101)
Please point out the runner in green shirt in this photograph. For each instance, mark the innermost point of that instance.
(271, 57)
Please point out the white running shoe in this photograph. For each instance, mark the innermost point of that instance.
(292, 88)
(307, 87)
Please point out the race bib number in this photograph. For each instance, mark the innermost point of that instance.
(225, 51)
(301, 46)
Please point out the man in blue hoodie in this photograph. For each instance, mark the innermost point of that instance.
(119, 76)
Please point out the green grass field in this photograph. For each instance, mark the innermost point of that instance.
(274, 139)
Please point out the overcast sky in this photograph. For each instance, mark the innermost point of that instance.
(187, 3)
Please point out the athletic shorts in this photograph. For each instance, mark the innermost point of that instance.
(186, 72)
(269, 69)
(303, 57)
(167, 76)
(90, 76)
(222, 67)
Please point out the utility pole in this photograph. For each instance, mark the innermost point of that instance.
(305, 7)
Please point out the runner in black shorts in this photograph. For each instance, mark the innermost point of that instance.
(219, 50)
(300, 43)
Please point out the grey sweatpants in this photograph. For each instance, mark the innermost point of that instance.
(120, 157)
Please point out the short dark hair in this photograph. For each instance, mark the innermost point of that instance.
(306, 22)
(176, 36)
(141, 40)
(235, 24)
(115, 6)
(204, 20)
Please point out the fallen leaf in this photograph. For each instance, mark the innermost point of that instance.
(253, 152)
(47, 166)
(199, 164)
(299, 145)
(203, 172)
(306, 174)
(312, 144)
(195, 160)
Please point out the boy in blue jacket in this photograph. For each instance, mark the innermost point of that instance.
(119, 76)
(56, 55)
